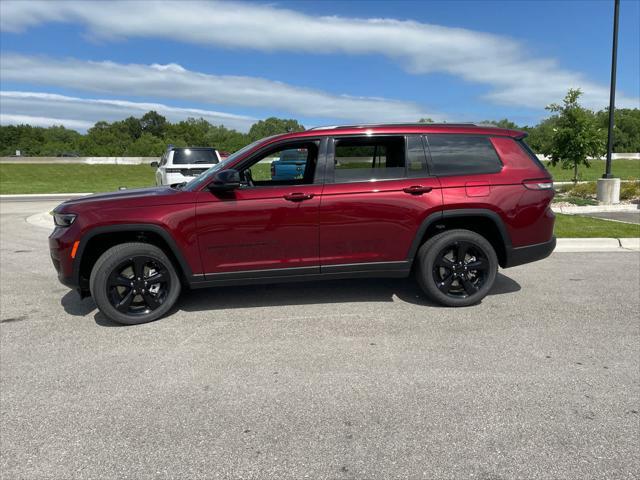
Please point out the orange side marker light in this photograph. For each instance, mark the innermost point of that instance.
(75, 248)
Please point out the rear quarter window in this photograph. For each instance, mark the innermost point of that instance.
(453, 154)
(530, 153)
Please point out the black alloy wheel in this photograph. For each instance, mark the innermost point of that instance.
(460, 269)
(456, 268)
(138, 286)
(134, 283)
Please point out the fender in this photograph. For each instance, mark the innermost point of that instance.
(462, 212)
(129, 227)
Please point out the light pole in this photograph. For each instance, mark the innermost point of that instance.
(609, 187)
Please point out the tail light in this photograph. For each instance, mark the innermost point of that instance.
(538, 184)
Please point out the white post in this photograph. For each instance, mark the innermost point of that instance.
(608, 191)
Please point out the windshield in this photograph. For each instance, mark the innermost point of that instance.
(182, 156)
(204, 176)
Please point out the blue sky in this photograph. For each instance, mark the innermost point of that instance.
(320, 62)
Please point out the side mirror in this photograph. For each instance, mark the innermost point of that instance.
(154, 164)
(225, 180)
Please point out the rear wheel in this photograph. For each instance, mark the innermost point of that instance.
(457, 268)
(134, 283)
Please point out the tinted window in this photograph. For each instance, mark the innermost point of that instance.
(462, 155)
(361, 159)
(416, 159)
(194, 155)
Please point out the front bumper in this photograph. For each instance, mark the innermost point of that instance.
(60, 246)
(530, 253)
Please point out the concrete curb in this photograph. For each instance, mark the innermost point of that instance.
(566, 245)
(43, 220)
(596, 209)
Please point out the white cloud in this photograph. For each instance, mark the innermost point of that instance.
(36, 121)
(174, 81)
(515, 76)
(45, 109)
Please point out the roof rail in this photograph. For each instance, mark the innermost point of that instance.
(399, 124)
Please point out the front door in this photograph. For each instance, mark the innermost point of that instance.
(270, 222)
(374, 202)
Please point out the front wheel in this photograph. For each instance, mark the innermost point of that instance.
(457, 268)
(134, 283)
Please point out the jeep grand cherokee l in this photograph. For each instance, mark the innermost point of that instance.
(447, 203)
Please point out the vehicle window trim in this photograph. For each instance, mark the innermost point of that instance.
(432, 165)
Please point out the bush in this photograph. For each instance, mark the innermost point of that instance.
(630, 190)
(583, 190)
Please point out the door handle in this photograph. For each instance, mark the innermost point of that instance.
(417, 189)
(298, 197)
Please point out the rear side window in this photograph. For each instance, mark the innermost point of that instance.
(453, 154)
(194, 155)
(369, 158)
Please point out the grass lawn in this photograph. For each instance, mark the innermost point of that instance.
(70, 178)
(625, 169)
(575, 226)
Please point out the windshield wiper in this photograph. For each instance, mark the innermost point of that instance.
(178, 186)
(204, 161)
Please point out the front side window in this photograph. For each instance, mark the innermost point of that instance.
(293, 164)
(453, 154)
(369, 158)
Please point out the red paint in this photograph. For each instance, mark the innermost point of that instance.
(314, 225)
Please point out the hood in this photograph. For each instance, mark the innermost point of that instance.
(132, 198)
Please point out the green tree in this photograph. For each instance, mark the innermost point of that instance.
(626, 133)
(146, 145)
(504, 123)
(273, 126)
(576, 135)
(539, 137)
(154, 123)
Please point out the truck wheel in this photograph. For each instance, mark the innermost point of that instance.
(134, 283)
(457, 268)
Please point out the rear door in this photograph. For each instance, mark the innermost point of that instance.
(378, 193)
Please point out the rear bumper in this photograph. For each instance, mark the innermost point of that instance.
(530, 253)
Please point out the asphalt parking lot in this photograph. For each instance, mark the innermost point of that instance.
(337, 380)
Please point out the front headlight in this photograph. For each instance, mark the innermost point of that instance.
(64, 219)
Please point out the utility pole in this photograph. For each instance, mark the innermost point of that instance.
(612, 94)
(608, 187)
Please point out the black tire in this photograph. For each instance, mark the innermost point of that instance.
(452, 281)
(147, 300)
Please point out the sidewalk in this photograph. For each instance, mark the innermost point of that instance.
(574, 209)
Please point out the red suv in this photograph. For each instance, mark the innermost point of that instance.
(448, 203)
